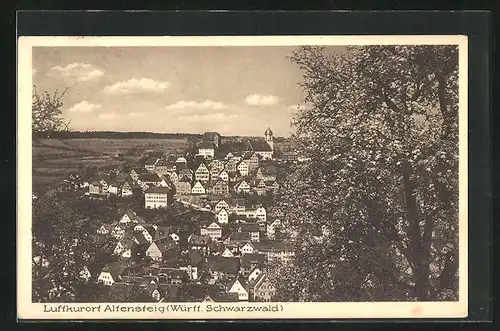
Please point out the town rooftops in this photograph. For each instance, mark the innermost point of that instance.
(149, 177)
(248, 227)
(228, 265)
(249, 258)
(152, 160)
(158, 190)
(196, 239)
(259, 146)
(239, 236)
(116, 270)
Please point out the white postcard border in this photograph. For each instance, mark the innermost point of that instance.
(334, 310)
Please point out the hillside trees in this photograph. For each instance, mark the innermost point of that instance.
(382, 180)
(63, 244)
(47, 113)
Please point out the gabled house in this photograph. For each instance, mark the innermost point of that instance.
(272, 228)
(95, 188)
(240, 287)
(238, 206)
(231, 165)
(174, 177)
(223, 216)
(130, 217)
(247, 248)
(227, 253)
(252, 229)
(199, 242)
(263, 289)
(242, 187)
(165, 181)
(220, 187)
(252, 160)
(134, 174)
(198, 188)
(206, 149)
(221, 204)
(157, 197)
(162, 167)
(123, 248)
(254, 274)
(149, 179)
(251, 260)
(113, 188)
(186, 172)
(105, 229)
(216, 166)
(202, 173)
(260, 187)
(242, 167)
(213, 230)
(151, 163)
(181, 159)
(125, 189)
(224, 175)
(112, 273)
(183, 187)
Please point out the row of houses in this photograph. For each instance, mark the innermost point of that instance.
(233, 265)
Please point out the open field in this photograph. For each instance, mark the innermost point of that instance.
(55, 158)
(132, 146)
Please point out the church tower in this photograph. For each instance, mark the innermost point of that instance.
(269, 138)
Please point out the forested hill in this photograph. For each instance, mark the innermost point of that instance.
(129, 135)
(115, 135)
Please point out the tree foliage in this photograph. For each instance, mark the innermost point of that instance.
(382, 180)
(47, 113)
(63, 244)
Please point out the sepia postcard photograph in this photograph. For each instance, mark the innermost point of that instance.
(264, 177)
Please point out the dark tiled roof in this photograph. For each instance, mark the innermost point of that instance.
(164, 190)
(229, 265)
(207, 145)
(239, 236)
(116, 269)
(151, 160)
(149, 177)
(259, 146)
(247, 259)
(248, 227)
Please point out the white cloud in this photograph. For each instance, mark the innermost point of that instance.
(84, 107)
(137, 86)
(78, 71)
(300, 107)
(207, 104)
(261, 100)
(136, 114)
(107, 115)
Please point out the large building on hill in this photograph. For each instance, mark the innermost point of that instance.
(264, 148)
(212, 137)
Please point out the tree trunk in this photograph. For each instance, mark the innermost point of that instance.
(419, 251)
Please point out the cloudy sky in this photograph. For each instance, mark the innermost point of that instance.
(232, 90)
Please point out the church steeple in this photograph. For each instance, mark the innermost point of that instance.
(269, 138)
